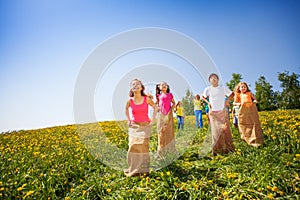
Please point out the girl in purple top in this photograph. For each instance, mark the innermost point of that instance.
(165, 121)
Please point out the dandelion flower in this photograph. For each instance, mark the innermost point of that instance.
(274, 189)
(281, 193)
(30, 192)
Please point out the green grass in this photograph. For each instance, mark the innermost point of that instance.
(53, 163)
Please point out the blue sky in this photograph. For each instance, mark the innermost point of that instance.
(43, 45)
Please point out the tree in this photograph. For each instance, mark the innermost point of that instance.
(264, 94)
(290, 95)
(187, 103)
(236, 78)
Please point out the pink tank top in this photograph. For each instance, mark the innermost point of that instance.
(140, 111)
(165, 102)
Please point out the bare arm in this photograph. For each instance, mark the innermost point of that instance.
(237, 100)
(127, 112)
(205, 100)
(228, 99)
(155, 109)
(253, 97)
(173, 104)
(231, 96)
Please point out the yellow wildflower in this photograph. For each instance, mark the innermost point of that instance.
(281, 193)
(29, 192)
(232, 175)
(274, 189)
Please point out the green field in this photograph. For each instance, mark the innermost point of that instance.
(53, 163)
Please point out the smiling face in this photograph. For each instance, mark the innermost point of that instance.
(163, 86)
(136, 86)
(243, 88)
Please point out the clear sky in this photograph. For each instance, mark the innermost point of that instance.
(43, 45)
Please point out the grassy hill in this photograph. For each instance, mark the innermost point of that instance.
(55, 163)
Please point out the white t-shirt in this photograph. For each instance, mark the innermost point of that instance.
(217, 96)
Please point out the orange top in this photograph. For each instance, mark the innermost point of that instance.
(244, 98)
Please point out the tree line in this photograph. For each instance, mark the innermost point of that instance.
(268, 99)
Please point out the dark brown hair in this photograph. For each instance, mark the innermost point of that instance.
(213, 74)
(158, 91)
(131, 93)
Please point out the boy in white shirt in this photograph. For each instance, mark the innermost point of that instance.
(220, 125)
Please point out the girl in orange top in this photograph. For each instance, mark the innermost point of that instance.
(249, 124)
(243, 94)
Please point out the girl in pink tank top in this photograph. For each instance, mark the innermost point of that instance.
(139, 111)
(139, 131)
